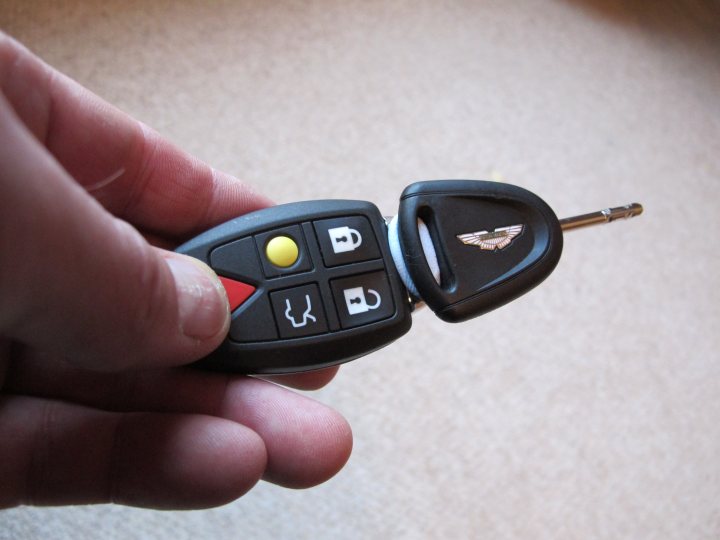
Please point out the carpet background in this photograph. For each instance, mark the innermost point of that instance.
(589, 408)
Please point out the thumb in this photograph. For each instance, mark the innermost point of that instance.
(76, 281)
(202, 309)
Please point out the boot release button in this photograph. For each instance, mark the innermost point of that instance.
(299, 311)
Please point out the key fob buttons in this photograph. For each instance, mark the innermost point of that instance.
(299, 311)
(253, 321)
(326, 290)
(271, 266)
(362, 299)
(346, 240)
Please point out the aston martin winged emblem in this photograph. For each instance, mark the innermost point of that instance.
(500, 238)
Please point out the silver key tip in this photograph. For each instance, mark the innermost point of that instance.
(607, 215)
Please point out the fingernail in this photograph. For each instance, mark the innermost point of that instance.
(202, 302)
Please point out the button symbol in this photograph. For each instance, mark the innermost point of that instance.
(356, 302)
(344, 239)
(306, 316)
(299, 311)
(363, 299)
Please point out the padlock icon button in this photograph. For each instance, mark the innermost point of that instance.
(344, 239)
(356, 301)
(363, 298)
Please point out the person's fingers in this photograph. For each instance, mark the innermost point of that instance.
(306, 442)
(310, 380)
(38, 375)
(130, 169)
(5, 347)
(75, 280)
(58, 453)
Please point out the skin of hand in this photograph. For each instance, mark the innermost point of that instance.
(97, 318)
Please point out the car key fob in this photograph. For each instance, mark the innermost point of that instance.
(317, 283)
(310, 284)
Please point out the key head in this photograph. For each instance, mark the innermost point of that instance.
(311, 285)
(494, 242)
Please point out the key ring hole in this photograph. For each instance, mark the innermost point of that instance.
(448, 280)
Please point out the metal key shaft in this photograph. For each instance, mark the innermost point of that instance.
(603, 216)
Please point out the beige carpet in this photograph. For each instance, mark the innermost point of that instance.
(589, 408)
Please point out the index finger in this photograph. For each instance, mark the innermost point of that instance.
(134, 173)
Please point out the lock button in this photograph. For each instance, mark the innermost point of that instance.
(346, 240)
(362, 299)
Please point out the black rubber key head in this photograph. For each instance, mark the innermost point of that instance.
(494, 242)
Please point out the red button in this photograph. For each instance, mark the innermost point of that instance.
(237, 291)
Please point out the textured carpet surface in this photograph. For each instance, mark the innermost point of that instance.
(589, 408)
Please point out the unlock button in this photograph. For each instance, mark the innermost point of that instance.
(362, 299)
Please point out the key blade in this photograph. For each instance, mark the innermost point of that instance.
(603, 216)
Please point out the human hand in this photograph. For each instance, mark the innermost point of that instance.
(96, 317)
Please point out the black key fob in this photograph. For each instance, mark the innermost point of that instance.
(310, 285)
(318, 283)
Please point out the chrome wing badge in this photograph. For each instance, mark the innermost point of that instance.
(500, 238)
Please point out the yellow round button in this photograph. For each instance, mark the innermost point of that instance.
(282, 251)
